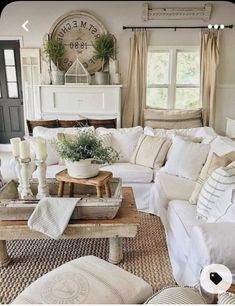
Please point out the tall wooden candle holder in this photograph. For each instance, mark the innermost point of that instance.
(26, 191)
(43, 189)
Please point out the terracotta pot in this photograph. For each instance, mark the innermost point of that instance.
(82, 169)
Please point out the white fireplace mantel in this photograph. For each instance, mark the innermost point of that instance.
(73, 102)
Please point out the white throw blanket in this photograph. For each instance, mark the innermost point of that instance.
(52, 215)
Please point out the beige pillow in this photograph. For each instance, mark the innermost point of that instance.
(213, 162)
(150, 151)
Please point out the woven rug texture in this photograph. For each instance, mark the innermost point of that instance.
(145, 256)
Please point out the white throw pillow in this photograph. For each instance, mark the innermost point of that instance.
(186, 159)
(218, 182)
(50, 134)
(124, 140)
(150, 151)
(224, 208)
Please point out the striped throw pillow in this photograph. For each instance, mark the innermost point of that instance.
(226, 298)
(218, 182)
(150, 151)
(176, 295)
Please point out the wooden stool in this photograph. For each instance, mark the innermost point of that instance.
(102, 179)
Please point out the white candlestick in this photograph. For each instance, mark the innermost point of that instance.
(24, 149)
(15, 146)
(25, 172)
(43, 189)
(18, 172)
(41, 149)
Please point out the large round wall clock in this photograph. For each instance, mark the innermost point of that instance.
(77, 30)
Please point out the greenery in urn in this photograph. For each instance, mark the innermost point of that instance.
(55, 51)
(85, 145)
(105, 48)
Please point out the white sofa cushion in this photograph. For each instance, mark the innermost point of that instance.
(86, 280)
(130, 173)
(124, 140)
(151, 151)
(182, 217)
(222, 145)
(218, 182)
(186, 159)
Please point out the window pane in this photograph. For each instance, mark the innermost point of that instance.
(157, 97)
(188, 67)
(9, 57)
(12, 90)
(187, 98)
(11, 74)
(158, 68)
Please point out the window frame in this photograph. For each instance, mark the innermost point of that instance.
(172, 73)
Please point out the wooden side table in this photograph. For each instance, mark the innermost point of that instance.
(102, 179)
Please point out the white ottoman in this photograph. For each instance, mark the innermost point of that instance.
(176, 295)
(86, 280)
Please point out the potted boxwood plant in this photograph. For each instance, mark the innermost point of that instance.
(104, 49)
(83, 153)
(55, 50)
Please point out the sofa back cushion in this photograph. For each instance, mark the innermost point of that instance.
(218, 182)
(172, 118)
(124, 140)
(151, 151)
(186, 159)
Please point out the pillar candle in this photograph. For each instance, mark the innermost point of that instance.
(24, 149)
(41, 148)
(15, 146)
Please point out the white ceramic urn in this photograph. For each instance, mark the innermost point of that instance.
(82, 169)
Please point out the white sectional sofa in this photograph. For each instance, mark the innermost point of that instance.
(192, 243)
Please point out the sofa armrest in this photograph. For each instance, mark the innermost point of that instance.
(212, 243)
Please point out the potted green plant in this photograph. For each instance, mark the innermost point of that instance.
(55, 50)
(104, 49)
(83, 153)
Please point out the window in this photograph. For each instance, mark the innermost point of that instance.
(173, 78)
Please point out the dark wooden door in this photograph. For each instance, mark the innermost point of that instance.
(11, 99)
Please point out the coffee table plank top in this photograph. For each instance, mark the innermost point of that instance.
(127, 215)
(98, 180)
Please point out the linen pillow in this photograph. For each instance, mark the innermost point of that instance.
(186, 159)
(150, 151)
(218, 182)
(124, 140)
(224, 208)
(213, 162)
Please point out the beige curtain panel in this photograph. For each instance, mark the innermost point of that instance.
(134, 102)
(209, 64)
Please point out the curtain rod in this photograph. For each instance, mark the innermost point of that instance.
(230, 26)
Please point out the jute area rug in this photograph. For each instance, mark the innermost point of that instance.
(145, 255)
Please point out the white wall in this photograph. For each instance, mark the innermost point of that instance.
(115, 14)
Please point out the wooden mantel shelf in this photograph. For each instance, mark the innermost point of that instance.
(80, 86)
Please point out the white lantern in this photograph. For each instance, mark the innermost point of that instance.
(77, 74)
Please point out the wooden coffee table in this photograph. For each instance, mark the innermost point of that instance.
(125, 224)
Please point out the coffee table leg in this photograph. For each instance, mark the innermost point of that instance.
(4, 258)
(71, 190)
(99, 191)
(115, 250)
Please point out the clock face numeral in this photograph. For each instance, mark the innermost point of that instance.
(77, 30)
